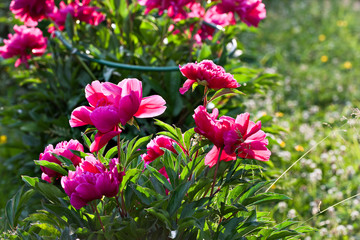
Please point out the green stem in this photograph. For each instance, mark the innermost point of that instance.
(98, 215)
(87, 69)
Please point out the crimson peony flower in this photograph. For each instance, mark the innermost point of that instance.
(208, 74)
(77, 10)
(247, 139)
(239, 137)
(111, 105)
(91, 181)
(214, 130)
(31, 11)
(154, 148)
(173, 7)
(250, 12)
(61, 149)
(212, 15)
(24, 43)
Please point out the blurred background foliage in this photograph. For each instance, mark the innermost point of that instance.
(313, 45)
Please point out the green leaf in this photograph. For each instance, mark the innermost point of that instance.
(205, 52)
(65, 162)
(264, 198)
(177, 196)
(169, 128)
(282, 234)
(69, 25)
(49, 191)
(30, 180)
(160, 177)
(53, 166)
(162, 215)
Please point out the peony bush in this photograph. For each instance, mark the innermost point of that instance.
(195, 175)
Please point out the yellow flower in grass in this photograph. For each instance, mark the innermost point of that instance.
(347, 65)
(299, 148)
(282, 144)
(322, 37)
(279, 114)
(324, 58)
(3, 139)
(342, 23)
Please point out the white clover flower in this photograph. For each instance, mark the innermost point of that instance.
(291, 213)
(354, 215)
(323, 232)
(282, 206)
(316, 175)
(340, 230)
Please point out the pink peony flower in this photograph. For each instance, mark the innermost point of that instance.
(24, 43)
(61, 149)
(91, 181)
(208, 74)
(173, 7)
(212, 15)
(154, 148)
(77, 10)
(239, 137)
(31, 11)
(250, 12)
(214, 130)
(247, 139)
(111, 105)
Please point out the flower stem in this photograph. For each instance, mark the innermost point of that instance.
(98, 215)
(119, 150)
(205, 96)
(215, 173)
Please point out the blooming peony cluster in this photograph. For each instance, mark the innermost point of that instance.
(250, 12)
(78, 10)
(91, 181)
(31, 11)
(154, 148)
(208, 74)
(233, 137)
(23, 44)
(173, 7)
(212, 16)
(111, 105)
(61, 149)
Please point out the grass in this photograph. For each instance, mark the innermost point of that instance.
(313, 45)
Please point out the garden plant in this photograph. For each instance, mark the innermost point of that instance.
(132, 119)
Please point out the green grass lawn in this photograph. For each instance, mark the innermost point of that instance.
(315, 46)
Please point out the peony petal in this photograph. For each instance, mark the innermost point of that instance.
(150, 107)
(187, 85)
(81, 116)
(129, 85)
(128, 106)
(76, 201)
(101, 139)
(93, 93)
(105, 118)
(254, 150)
(111, 91)
(212, 157)
(87, 191)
